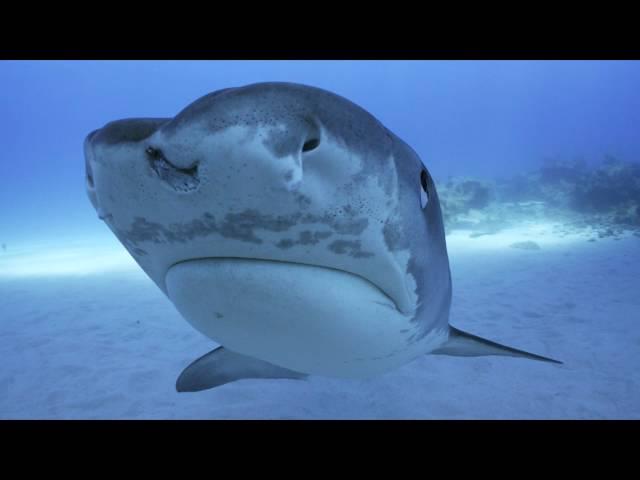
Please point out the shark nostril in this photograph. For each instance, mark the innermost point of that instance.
(310, 144)
(88, 173)
(180, 179)
(153, 152)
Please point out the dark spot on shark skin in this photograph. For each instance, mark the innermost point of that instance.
(254, 219)
(393, 237)
(346, 226)
(218, 315)
(384, 179)
(239, 226)
(143, 231)
(285, 243)
(302, 200)
(349, 210)
(139, 251)
(340, 246)
(349, 247)
(304, 238)
(351, 228)
(183, 232)
(308, 238)
(288, 176)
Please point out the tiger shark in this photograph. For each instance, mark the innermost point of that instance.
(288, 225)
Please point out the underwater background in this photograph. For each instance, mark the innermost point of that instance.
(537, 164)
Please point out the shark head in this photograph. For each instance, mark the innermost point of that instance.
(284, 222)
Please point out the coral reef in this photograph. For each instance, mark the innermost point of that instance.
(605, 198)
(612, 191)
(462, 199)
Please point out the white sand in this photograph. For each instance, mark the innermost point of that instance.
(85, 334)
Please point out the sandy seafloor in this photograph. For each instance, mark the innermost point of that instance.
(77, 344)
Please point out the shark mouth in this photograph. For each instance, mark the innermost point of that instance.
(384, 298)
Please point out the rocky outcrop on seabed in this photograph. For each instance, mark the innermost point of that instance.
(604, 198)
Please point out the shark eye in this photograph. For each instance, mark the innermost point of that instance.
(311, 144)
(424, 188)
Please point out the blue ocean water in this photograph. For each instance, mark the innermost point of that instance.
(481, 119)
(463, 117)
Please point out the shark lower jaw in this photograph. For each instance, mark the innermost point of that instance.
(267, 265)
(307, 318)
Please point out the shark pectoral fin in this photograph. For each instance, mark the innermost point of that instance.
(221, 366)
(463, 344)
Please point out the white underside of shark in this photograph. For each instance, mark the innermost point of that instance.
(270, 310)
